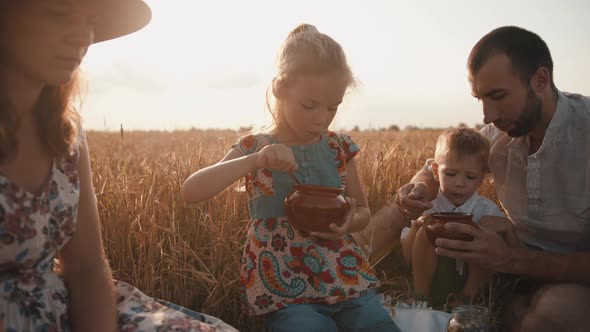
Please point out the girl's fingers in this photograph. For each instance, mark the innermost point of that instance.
(279, 157)
(340, 230)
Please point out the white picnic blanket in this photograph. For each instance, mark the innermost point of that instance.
(419, 318)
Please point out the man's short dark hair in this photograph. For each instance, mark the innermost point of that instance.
(525, 49)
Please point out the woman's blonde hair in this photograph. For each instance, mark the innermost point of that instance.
(55, 114)
(305, 51)
(56, 118)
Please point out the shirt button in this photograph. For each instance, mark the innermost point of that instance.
(306, 180)
(304, 164)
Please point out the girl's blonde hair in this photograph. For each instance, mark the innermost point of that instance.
(305, 51)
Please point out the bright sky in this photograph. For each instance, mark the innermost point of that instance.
(207, 64)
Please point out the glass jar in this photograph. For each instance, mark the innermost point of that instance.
(312, 208)
(469, 318)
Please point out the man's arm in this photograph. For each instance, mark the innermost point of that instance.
(572, 267)
(383, 232)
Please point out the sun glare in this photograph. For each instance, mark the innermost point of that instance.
(208, 64)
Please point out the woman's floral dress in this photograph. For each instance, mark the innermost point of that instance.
(33, 228)
(282, 266)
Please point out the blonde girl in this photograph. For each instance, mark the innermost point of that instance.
(301, 281)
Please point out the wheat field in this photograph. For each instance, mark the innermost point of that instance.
(190, 254)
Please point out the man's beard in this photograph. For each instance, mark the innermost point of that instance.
(529, 118)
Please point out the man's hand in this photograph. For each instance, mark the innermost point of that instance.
(411, 200)
(487, 250)
(503, 227)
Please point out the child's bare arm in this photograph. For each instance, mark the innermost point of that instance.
(209, 181)
(355, 190)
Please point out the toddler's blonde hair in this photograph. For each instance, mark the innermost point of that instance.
(460, 142)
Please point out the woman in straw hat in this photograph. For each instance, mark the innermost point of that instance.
(47, 204)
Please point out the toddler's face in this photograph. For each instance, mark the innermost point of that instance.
(459, 178)
(311, 102)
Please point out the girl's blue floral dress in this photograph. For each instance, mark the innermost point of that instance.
(33, 297)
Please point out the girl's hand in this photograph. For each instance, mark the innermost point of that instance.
(338, 231)
(277, 157)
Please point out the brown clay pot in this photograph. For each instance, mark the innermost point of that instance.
(435, 225)
(313, 208)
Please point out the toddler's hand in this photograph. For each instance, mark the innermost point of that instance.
(339, 231)
(278, 157)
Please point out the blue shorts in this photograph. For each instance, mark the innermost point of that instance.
(365, 313)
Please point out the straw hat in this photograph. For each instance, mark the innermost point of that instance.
(122, 17)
